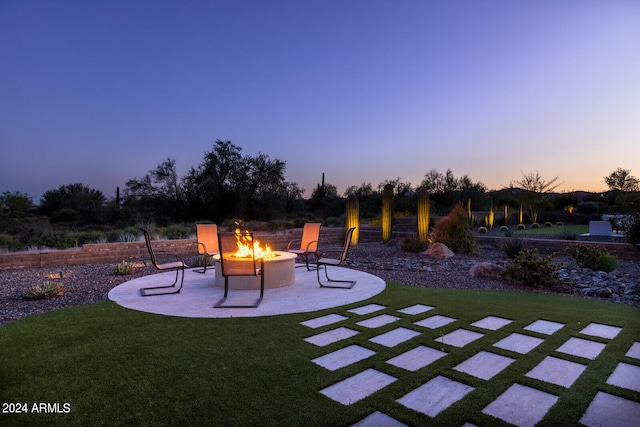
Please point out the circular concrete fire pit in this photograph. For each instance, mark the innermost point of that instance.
(278, 271)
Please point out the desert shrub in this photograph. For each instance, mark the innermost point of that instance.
(178, 231)
(124, 268)
(535, 225)
(46, 290)
(198, 261)
(454, 231)
(504, 228)
(567, 235)
(333, 221)
(376, 222)
(512, 247)
(521, 227)
(9, 242)
(531, 269)
(632, 232)
(58, 240)
(482, 230)
(559, 224)
(593, 257)
(587, 207)
(413, 244)
(547, 224)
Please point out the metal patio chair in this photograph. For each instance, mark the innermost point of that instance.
(178, 265)
(308, 242)
(207, 237)
(231, 266)
(326, 262)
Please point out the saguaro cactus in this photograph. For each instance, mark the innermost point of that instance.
(387, 212)
(353, 217)
(424, 208)
(492, 215)
(469, 211)
(506, 214)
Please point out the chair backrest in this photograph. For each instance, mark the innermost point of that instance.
(207, 235)
(310, 236)
(347, 244)
(147, 240)
(232, 265)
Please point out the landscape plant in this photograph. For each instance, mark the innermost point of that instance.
(413, 244)
(387, 212)
(45, 290)
(124, 268)
(593, 257)
(531, 269)
(353, 217)
(455, 232)
(424, 213)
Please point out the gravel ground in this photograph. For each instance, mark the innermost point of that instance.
(91, 283)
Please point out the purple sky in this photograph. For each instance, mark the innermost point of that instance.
(100, 92)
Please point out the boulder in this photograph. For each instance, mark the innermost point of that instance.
(439, 251)
(485, 270)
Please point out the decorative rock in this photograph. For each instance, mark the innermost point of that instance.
(438, 250)
(485, 270)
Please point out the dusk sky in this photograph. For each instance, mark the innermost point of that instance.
(100, 92)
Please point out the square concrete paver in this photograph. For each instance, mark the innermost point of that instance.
(557, 371)
(626, 376)
(394, 337)
(484, 365)
(582, 348)
(634, 351)
(379, 419)
(519, 343)
(609, 410)
(416, 309)
(492, 323)
(459, 338)
(376, 322)
(544, 327)
(602, 331)
(416, 358)
(331, 336)
(343, 357)
(329, 319)
(367, 309)
(435, 396)
(358, 387)
(522, 406)
(435, 322)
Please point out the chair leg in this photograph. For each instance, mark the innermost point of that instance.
(145, 291)
(349, 283)
(206, 263)
(220, 304)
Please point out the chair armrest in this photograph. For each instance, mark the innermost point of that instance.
(291, 241)
(309, 244)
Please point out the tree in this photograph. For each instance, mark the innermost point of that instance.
(158, 194)
(535, 190)
(621, 180)
(227, 185)
(72, 202)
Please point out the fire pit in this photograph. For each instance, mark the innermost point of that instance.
(279, 267)
(278, 271)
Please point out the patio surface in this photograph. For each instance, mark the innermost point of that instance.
(200, 293)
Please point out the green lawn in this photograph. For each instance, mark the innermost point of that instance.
(576, 229)
(116, 366)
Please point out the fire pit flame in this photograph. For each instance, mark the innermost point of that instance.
(244, 247)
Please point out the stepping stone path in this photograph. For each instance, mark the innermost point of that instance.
(519, 404)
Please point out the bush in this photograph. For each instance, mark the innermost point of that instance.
(504, 228)
(531, 269)
(547, 224)
(46, 290)
(482, 230)
(178, 231)
(521, 227)
(567, 235)
(559, 224)
(124, 268)
(587, 207)
(454, 231)
(199, 261)
(512, 247)
(535, 225)
(413, 244)
(593, 257)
